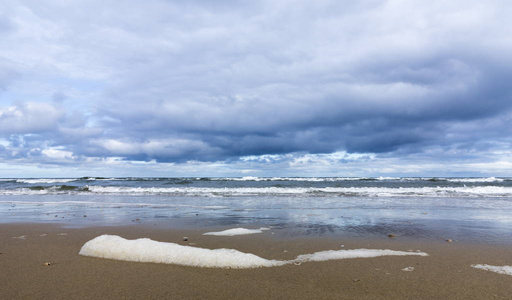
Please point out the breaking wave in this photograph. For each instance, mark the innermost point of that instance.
(46, 180)
(466, 191)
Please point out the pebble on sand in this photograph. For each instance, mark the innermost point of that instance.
(47, 264)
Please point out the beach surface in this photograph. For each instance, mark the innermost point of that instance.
(446, 273)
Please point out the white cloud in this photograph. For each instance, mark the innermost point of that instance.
(374, 86)
(58, 154)
(29, 117)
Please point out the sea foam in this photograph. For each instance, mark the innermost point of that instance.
(236, 231)
(385, 192)
(474, 191)
(356, 253)
(147, 250)
(507, 270)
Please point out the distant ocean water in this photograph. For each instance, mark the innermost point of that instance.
(314, 205)
(253, 186)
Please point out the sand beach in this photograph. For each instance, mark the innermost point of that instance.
(446, 272)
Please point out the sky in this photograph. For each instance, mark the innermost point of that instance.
(255, 88)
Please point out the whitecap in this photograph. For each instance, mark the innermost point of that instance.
(46, 180)
(488, 179)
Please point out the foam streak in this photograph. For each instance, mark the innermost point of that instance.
(506, 270)
(146, 250)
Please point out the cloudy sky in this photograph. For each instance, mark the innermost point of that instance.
(255, 88)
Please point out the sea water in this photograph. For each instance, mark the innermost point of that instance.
(473, 209)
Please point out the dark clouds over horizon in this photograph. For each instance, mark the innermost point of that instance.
(410, 81)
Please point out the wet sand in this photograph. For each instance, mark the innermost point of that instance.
(445, 274)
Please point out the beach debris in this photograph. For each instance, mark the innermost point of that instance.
(285, 251)
(391, 236)
(356, 280)
(185, 238)
(449, 240)
(47, 264)
(342, 246)
(297, 263)
(408, 269)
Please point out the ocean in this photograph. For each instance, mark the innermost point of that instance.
(469, 209)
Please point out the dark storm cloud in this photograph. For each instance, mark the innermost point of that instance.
(209, 81)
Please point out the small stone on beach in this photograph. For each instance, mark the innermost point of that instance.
(391, 235)
(47, 264)
(185, 238)
(449, 240)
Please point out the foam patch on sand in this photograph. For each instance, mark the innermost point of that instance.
(236, 231)
(356, 253)
(147, 250)
(507, 270)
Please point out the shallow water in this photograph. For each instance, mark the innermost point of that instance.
(466, 209)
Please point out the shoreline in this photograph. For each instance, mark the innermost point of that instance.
(445, 273)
